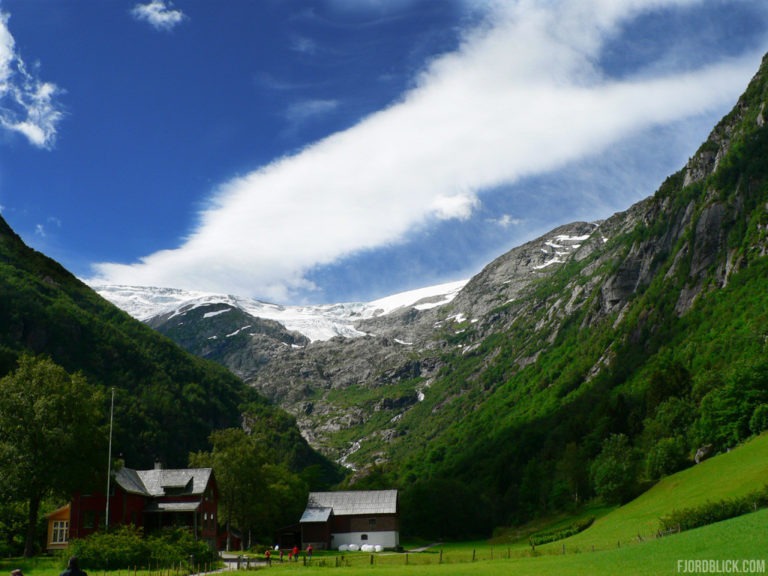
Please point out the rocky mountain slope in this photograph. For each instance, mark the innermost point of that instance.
(647, 330)
(335, 347)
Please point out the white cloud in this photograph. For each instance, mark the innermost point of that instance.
(522, 96)
(300, 112)
(458, 206)
(304, 45)
(505, 221)
(158, 14)
(41, 230)
(27, 104)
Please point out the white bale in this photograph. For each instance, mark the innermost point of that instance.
(343, 548)
(378, 548)
(354, 547)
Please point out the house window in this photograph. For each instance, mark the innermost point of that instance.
(60, 532)
(372, 523)
(363, 536)
(90, 519)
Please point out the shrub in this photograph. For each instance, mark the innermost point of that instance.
(666, 457)
(759, 421)
(122, 548)
(711, 512)
(126, 547)
(540, 538)
(614, 470)
(175, 545)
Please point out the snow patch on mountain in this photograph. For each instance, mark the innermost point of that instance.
(319, 322)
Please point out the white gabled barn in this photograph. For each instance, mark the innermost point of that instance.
(358, 517)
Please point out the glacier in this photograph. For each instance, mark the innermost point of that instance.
(316, 322)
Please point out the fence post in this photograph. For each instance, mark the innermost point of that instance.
(473, 554)
(441, 555)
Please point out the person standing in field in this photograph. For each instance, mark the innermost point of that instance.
(73, 568)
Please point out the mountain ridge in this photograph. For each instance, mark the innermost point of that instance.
(648, 332)
(316, 322)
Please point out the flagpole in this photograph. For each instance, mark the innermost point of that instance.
(109, 459)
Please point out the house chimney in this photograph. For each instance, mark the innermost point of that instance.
(158, 464)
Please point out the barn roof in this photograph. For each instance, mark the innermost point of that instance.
(316, 515)
(356, 502)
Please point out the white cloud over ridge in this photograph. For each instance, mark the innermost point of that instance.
(158, 14)
(27, 104)
(522, 96)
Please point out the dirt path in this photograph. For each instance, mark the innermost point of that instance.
(424, 548)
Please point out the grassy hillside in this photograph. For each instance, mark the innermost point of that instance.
(167, 401)
(731, 475)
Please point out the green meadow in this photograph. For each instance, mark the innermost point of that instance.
(742, 540)
(730, 475)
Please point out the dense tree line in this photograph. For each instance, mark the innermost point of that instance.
(50, 440)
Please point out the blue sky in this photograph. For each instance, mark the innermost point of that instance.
(335, 150)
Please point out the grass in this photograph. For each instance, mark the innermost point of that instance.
(54, 565)
(39, 565)
(518, 537)
(743, 539)
(729, 475)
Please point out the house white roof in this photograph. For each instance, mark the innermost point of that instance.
(161, 482)
(355, 502)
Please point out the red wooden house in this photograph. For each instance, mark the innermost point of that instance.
(148, 499)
